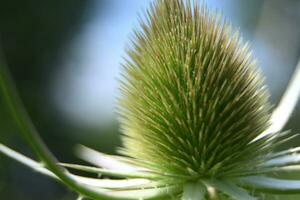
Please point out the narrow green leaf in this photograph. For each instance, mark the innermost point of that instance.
(93, 184)
(285, 152)
(229, 188)
(103, 160)
(286, 105)
(152, 193)
(113, 184)
(194, 191)
(271, 185)
(112, 173)
(283, 161)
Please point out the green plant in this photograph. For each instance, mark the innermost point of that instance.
(195, 118)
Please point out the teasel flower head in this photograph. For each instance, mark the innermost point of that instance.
(195, 117)
(194, 104)
(193, 98)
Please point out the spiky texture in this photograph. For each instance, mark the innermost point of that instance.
(195, 116)
(192, 99)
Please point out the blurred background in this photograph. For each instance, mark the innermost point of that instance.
(65, 55)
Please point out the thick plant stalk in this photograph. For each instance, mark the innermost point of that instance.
(31, 136)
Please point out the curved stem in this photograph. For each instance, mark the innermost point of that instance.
(31, 136)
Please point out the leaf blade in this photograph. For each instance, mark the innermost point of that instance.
(232, 190)
(271, 185)
(194, 191)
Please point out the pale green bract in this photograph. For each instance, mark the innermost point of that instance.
(194, 114)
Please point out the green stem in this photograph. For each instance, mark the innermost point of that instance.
(31, 136)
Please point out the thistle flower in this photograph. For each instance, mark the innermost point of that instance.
(193, 99)
(195, 117)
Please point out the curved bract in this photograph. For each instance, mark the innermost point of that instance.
(192, 99)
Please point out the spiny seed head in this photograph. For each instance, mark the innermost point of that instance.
(192, 98)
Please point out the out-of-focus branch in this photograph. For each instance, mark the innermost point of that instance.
(31, 136)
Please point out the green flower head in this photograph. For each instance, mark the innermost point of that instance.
(193, 99)
(195, 117)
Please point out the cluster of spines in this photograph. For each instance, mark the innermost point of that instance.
(192, 98)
